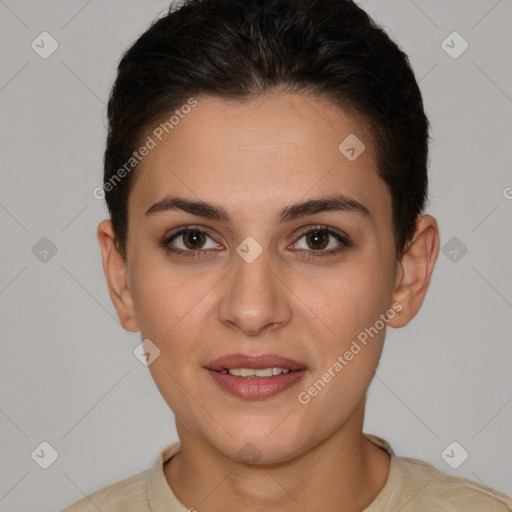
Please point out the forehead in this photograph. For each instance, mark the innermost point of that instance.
(255, 155)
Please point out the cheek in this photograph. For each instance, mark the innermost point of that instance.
(350, 300)
(349, 305)
(172, 311)
(162, 299)
(345, 370)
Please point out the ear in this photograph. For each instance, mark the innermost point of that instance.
(415, 270)
(116, 273)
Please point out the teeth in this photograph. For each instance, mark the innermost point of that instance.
(260, 372)
(267, 372)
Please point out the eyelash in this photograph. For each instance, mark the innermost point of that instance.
(344, 241)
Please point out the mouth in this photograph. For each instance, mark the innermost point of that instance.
(255, 377)
(258, 373)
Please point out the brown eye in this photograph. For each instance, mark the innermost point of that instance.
(317, 239)
(190, 242)
(321, 241)
(193, 239)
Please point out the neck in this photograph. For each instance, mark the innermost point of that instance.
(344, 468)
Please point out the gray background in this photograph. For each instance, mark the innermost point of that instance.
(68, 373)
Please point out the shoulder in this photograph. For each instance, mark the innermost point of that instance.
(427, 486)
(126, 495)
(143, 492)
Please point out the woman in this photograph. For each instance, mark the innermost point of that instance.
(266, 176)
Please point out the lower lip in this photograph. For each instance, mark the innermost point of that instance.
(256, 388)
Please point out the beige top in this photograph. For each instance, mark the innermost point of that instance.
(412, 486)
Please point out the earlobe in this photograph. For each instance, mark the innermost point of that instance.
(417, 265)
(116, 274)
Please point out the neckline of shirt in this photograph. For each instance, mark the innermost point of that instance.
(162, 498)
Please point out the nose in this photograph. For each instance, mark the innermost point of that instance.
(254, 296)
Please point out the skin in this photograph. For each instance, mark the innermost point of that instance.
(254, 159)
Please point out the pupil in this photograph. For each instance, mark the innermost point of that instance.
(318, 237)
(197, 239)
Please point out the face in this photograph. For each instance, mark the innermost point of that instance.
(269, 284)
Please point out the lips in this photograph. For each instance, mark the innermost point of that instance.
(255, 388)
(253, 362)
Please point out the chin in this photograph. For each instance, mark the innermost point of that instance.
(258, 447)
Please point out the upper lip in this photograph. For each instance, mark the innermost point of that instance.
(253, 362)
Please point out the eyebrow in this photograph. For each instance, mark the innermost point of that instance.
(215, 212)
